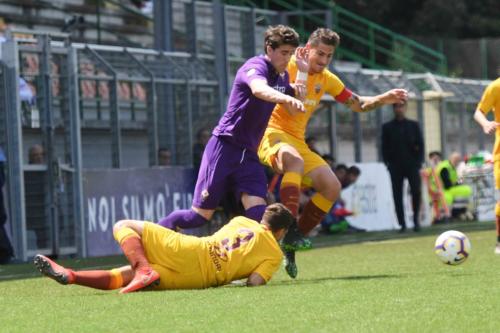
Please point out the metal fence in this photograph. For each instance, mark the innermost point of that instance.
(93, 107)
(443, 106)
(113, 107)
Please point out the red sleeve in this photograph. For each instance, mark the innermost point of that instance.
(344, 95)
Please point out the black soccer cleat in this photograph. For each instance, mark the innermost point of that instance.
(290, 265)
(52, 270)
(294, 241)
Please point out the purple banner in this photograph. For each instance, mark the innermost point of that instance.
(139, 194)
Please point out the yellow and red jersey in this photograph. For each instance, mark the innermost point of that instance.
(317, 85)
(491, 102)
(238, 249)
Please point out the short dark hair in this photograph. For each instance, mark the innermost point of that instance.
(435, 153)
(325, 36)
(278, 35)
(341, 167)
(278, 217)
(354, 170)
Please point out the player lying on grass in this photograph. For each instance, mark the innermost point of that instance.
(165, 259)
(283, 146)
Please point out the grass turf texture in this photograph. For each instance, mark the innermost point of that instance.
(370, 282)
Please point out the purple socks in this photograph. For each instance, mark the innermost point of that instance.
(185, 219)
(255, 212)
(188, 218)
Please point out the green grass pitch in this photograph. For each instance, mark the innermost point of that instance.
(370, 282)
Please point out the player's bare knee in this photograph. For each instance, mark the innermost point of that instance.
(292, 161)
(330, 189)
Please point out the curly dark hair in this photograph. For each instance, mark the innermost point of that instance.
(278, 35)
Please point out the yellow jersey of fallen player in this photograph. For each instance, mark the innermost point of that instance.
(317, 85)
(238, 249)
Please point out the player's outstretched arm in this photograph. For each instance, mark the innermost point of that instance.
(261, 90)
(367, 103)
(488, 126)
(255, 280)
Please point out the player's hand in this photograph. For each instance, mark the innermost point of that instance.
(490, 127)
(295, 105)
(302, 58)
(395, 96)
(300, 90)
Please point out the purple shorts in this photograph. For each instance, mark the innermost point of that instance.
(225, 168)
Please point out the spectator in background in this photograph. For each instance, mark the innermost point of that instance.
(346, 176)
(6, 251)
(164, 157)
(311, 143)
(351, 177)
(202, 137)
(336, 220)
(341, 172)
(26, 91)
(329, 159)
(36, 154)
(455, 194)
(435, 158)
(434, 186)
(4, 26)
(403, 154)
(34, 185)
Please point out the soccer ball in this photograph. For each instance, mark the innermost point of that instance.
(452, 247)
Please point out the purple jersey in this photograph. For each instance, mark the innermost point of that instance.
(247, 116)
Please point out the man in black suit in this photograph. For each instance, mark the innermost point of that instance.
(403, 154)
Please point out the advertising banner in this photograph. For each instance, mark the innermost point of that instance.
(370, 198)
(140, 194)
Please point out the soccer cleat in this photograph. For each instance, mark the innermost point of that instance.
(142, 279)
(294, 241)
(497, 248)
(290, 264)
(52, 270)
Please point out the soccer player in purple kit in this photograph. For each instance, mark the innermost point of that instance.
(230, 161)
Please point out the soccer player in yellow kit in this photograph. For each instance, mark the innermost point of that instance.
(283, 146)
(164, 259)
(491, 102)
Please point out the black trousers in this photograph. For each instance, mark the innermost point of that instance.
(6, 250)
(398, 174)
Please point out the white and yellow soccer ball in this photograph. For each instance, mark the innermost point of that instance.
(452, 247)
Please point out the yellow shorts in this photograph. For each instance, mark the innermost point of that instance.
(274, 139)
(174, 256)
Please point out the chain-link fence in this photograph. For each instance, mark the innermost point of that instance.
(87, 106)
